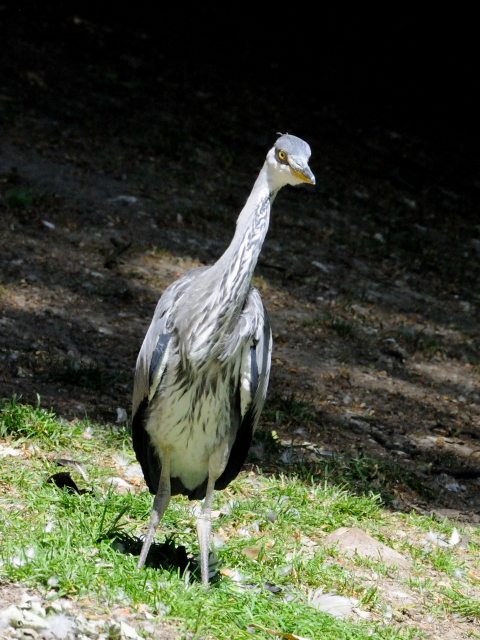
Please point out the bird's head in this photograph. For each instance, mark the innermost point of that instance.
(288, 162)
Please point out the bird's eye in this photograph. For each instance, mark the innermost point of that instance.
(282, 155)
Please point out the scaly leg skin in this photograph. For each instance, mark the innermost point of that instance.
(160, 505)
(204, 528)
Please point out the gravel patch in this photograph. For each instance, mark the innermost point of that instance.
(27, 614)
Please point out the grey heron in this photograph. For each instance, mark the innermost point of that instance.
(203, 368)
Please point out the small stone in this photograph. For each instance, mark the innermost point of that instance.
(453, 486)
(362, 614)
(14, 615)
(284, 571)
(34, 621)
(125, 199)
(218, 541)
(122, 415)
(133, 471)
(388, 612)
(335, 605)
(128, 631)
(60, 625)
(353, 541)
(28, 633)
(9, 451)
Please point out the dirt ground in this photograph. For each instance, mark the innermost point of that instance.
(118, 172)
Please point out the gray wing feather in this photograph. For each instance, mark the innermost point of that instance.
(262, 353)
(255, 317)
(159, 331)
(151, 364)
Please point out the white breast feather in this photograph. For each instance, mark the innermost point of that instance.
(192, 428)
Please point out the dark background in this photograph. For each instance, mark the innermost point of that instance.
(411, 71)
(393, 65)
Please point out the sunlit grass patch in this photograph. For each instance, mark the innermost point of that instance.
(446, 560)
(269, 538)
(462, 605)
(24, 422)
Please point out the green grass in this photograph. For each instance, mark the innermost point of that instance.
(344, 329)
(420, 342)
(463, 605)
(364, 474)
(25, 423)
(87, 545)
(361, 473)
(290, 410)
(19, 198)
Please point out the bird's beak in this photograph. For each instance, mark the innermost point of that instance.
(300, 169)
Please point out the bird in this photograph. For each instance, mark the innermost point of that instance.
(202, 372)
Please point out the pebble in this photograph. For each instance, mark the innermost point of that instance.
(61, 619)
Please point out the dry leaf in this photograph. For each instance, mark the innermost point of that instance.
(251, 552)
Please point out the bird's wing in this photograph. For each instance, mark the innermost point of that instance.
(254, 375)
(152, 363)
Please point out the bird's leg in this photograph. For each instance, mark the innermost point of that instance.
(160, 505)
(204, 528)
(216, 465)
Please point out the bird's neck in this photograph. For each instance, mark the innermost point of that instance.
(236, 266)
(218, 295)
